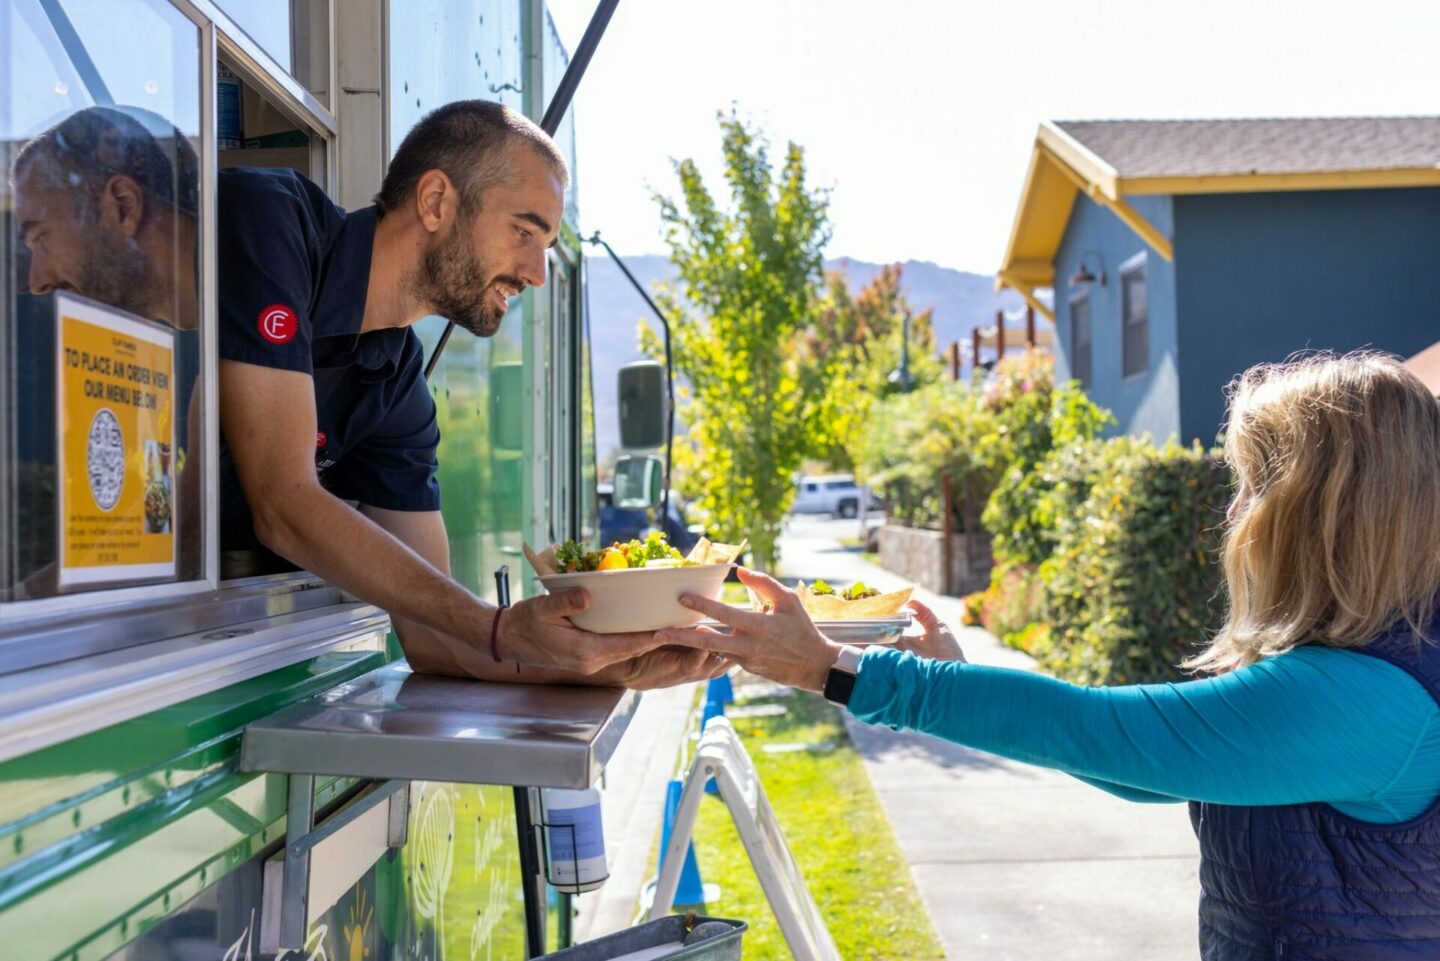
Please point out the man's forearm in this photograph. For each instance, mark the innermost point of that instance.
(430, 651)
(321, 533)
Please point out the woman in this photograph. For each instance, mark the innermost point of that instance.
(1310, 755)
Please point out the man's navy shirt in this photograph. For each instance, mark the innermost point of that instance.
(294, 269)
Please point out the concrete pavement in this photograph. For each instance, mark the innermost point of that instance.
(1014, 862)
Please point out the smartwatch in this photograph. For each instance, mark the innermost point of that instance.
(840, 682)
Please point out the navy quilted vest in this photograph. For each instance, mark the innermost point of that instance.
(1303, 882)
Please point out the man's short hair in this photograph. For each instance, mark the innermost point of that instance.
(87, 148)
(469, 141)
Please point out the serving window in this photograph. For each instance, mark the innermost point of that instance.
(104, 423)
(108, 423)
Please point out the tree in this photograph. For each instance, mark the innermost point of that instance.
(749, 278)
(850, 353)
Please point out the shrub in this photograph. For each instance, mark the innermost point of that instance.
(1014, 599)
(1033, 639)
(1132, 586)
(911, 440)
(1032, 417)
(970, 608)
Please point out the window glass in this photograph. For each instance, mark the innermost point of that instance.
(1080, 339)
(441, 51)
(589, 502)
(1136, 321)
(268, 22)
(100, 416)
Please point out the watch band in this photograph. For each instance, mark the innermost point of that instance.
(840, 681)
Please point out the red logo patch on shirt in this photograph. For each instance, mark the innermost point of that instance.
(320, 438)
(278, 324)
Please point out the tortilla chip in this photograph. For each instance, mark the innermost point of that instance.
(707, 552)
(699, 552)
(833, 607)
(544, 562)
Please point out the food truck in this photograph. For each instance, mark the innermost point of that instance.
(199, 758)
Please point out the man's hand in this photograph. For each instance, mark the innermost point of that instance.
(538, 631)
(666, 667)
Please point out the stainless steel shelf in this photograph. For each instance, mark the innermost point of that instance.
(394, 724)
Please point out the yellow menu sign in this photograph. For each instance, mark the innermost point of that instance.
(114, 396)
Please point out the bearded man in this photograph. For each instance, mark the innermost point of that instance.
(323, 400)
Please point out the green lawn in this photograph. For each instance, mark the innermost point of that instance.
(838, 832)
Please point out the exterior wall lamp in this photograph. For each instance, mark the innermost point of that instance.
(1083, 276)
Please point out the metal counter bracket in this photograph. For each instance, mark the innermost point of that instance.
(320, 863)
(393, 727)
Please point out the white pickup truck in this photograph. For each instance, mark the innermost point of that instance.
(835, 494)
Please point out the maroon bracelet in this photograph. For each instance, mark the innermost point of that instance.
(495, 633)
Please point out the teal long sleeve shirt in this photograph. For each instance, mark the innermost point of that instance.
(1315, 724)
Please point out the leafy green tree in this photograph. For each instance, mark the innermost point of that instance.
(910, 441)
(749, 283)
(850, 353)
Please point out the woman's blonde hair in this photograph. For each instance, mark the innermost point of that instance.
(1334, 534)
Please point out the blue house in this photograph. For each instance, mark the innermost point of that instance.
(1182, 252)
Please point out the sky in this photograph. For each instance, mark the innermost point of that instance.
(919, 115)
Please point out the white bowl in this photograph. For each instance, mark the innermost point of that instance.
(640, 599)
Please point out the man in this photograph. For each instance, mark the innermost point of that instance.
(323, 400)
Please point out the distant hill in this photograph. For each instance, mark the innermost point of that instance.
(962, 301)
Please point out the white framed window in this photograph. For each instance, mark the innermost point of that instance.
(1134, 317)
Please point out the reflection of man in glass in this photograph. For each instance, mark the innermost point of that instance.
(106, 204)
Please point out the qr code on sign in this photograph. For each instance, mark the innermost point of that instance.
(105, 458)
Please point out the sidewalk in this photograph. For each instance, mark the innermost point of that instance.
(1015, 862)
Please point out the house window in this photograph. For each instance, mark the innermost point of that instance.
(1080, 339)
(1134, 317)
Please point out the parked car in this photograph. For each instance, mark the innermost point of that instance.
(626, 523)
(834, 494)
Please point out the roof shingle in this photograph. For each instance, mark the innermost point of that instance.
(1210, 148)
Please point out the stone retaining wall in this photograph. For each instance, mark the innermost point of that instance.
(918, 555)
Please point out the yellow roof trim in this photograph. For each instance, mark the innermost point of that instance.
(1147, 231)
(1255, 183)
(1096, 175)
(1032, 173)
(1027, 293)
(1046, 202)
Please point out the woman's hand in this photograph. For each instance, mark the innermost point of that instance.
(937, 642)
(783, 645)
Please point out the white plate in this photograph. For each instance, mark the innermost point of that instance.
(854, 630)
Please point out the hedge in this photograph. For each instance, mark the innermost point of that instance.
(1132, 586)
